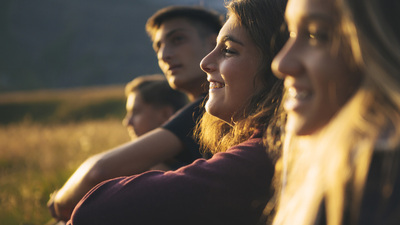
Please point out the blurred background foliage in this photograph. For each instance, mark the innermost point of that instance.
(44, 136)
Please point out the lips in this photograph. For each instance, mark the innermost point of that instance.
(297, 98)
(298, 94)
(173, 68)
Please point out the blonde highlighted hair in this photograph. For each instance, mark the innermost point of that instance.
(331, 167)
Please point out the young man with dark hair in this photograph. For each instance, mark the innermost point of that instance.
(181, 36)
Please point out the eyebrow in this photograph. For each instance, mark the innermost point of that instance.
(230, 38)
(305, 19)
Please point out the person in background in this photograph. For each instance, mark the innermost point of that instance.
(150, 102)
(233, 186)
(341, 151)
(181, 36)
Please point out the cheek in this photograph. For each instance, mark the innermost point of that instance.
(239, 92)
(340, 83)
(191, 50)
(142, 125)
(240, 80)
(234, 73)
(142, 118)
(348, 83)
(333, 85)
(161, 66)
(136, 120)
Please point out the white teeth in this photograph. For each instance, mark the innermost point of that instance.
(215, 85)
(296, 94)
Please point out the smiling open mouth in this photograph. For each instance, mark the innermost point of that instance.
(297, 94)
(216, 85)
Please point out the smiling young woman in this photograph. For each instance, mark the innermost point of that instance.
(342, 137)
(242, 96)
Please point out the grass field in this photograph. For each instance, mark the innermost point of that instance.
(37, 155)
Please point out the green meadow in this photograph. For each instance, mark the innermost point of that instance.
(44, 136)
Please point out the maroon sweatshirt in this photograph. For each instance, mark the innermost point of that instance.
(230, 188)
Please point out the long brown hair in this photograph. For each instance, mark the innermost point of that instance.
(262, 19)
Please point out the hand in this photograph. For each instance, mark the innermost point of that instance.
(50, 205)
(59, 212)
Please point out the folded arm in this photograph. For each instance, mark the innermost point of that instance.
(128, 159)
(230, 188)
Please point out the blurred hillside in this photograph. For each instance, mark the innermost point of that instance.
(50, 44)
(62, 106)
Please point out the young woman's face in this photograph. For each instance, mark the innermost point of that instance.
(231, 68)
(317, 78)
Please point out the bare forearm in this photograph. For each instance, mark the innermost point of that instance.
(130, 158)
(74, 189)
(140, 155)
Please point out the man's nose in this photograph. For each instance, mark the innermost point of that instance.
(127, 121)
(165, 53)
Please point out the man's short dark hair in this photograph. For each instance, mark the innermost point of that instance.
(209, 20)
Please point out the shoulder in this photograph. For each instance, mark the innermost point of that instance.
(254, 142)
(191, 107)
(187, 114)
(250, 154)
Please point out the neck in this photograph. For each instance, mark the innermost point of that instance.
(195, 91)
(193, 95)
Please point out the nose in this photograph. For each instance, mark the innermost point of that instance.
(288, 61)
(127, 121)
(208, 63)
(164, 53)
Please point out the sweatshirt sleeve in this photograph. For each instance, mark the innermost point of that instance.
(230, 188)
